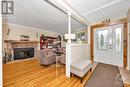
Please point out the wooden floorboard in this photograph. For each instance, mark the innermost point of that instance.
(30, 74)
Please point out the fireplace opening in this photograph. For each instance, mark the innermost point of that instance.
(23, 53)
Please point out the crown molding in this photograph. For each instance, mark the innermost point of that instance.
(27, 27)
(102, 7)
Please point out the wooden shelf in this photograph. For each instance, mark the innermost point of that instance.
(18, 41)
(48, 41)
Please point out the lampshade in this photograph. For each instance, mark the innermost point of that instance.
(66, 36)
(72, 36)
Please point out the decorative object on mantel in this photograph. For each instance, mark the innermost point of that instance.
(24, 38)
(8, 32)
(38, 35)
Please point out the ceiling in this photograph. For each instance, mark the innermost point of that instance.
(39, 14)
(95, 11)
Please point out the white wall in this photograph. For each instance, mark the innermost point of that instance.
(79, 51)
(17, 30)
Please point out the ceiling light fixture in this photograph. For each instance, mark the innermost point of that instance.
(106, 21)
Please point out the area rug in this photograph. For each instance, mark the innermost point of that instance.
(105, 76)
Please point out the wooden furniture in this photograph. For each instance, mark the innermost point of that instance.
(49, 42)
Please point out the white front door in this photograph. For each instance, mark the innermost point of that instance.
(108, 45)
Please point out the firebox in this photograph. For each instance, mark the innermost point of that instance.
(23, 53)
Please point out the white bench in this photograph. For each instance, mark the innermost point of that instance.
(81, 67)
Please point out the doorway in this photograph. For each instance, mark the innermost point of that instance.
(108, 54)
(123, 22)
(108, 45)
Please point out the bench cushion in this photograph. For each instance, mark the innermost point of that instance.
(80, 67)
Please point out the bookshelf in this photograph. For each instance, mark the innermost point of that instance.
(50, 42)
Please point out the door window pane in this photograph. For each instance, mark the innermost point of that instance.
(118, 39)
(102, 40)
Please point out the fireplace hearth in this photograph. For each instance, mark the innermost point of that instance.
(23, 53)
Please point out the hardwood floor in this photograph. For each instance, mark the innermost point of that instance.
(126, 85)
(29, 73)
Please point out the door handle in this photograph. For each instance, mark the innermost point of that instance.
(110, 46)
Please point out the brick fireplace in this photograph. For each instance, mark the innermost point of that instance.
(20, 49)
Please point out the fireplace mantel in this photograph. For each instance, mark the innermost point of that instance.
(21, 44)
(18, 41)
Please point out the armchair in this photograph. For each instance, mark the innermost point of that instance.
(45, 58)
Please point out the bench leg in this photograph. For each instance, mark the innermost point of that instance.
(90, 69)
(81, 80)
(70, 74)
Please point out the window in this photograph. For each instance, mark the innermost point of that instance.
(80, 37)
(102, 40)
(118, 39)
